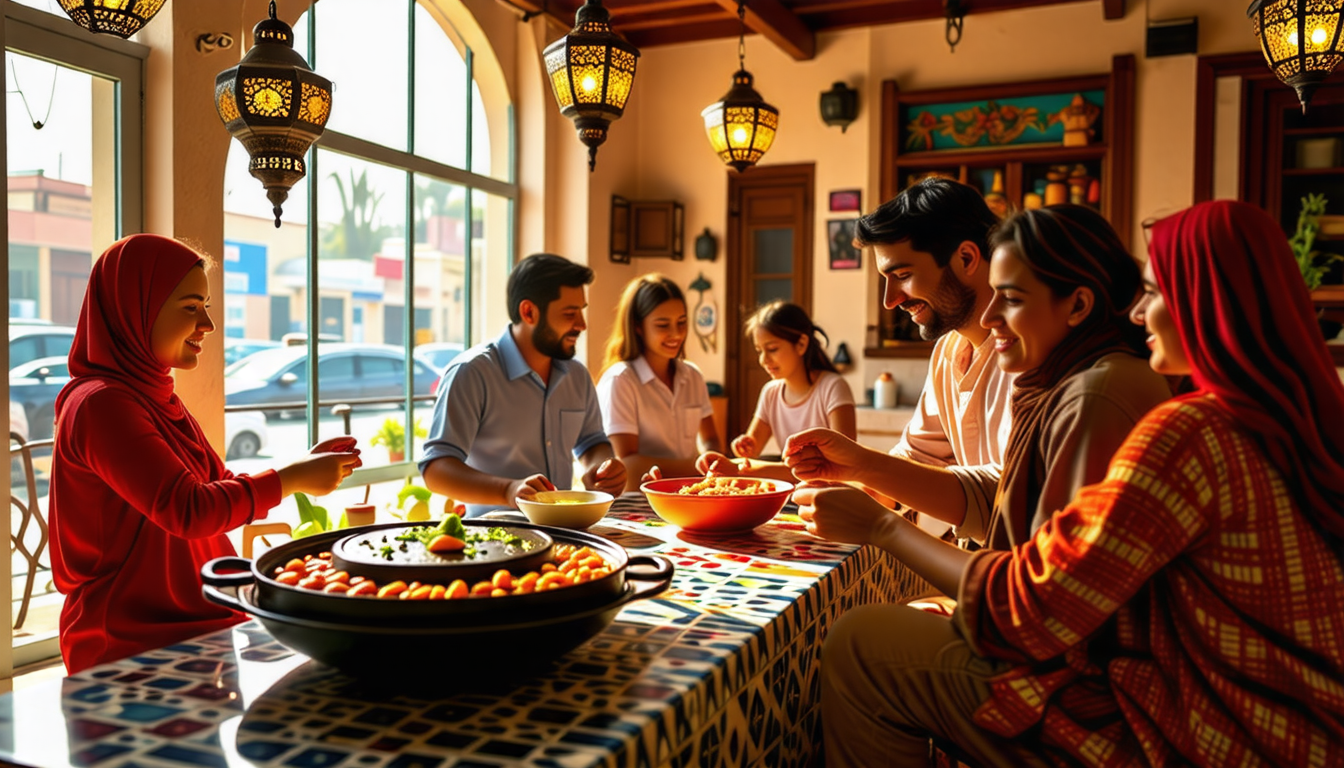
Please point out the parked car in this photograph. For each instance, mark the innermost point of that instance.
(245, 434)
(30, 342)
(344, 371)
(34, 385)
(237, 349)
(439, 353)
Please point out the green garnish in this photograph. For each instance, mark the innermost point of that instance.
(451, 525)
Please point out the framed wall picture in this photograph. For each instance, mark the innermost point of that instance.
(840, 236)
(620, 229)
(845, 200)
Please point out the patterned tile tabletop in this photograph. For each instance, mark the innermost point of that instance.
(719, 671)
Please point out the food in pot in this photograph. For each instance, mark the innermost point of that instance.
(726, 486)
(572, 565)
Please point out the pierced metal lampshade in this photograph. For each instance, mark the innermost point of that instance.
(592, 70)
(1301, 40)
(275, 106)
(122, 18)
(741, 126)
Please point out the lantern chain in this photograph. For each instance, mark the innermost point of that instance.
(742, 34)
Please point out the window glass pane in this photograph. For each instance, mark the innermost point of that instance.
(769, 290)
(773, 251)
(440, 93)
(361, 262)
(369, 91)
(491, 254)
(483, 159)
(441, 237)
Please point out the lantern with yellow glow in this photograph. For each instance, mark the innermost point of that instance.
(592, 70)
(741, 126)
(1301, 40)
(122, 18)
(275, 106)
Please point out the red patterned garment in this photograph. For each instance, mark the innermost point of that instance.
(1183, 611)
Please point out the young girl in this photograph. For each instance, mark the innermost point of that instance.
(139, 499)
(804, 391)
(1187, 609)
(655, 405)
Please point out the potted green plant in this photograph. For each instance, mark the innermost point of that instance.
(1313, 263)
(393, 435)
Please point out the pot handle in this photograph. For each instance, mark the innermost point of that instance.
(210, 572)
(228, 599)
(651, 574)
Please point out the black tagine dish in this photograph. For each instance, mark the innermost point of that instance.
(382, 554)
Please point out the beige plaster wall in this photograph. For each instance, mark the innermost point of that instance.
(675, 83)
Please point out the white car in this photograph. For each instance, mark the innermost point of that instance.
(18, 419)
(244, 434)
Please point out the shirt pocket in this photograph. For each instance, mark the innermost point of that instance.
(571, 428)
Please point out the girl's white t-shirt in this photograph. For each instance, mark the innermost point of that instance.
(829, 391)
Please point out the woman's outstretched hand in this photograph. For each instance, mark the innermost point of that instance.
(716, 464)
(318, 473)
(823, 454)
(840, 512)
(745, 446)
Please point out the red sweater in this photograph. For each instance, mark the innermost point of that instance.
(131, 526)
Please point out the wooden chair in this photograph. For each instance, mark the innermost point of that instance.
(31, 515)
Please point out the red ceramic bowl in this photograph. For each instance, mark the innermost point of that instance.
(715, 514)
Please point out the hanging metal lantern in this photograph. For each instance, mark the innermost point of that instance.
(741, 126)
(122, 18)
(1301, 40)
(275, 106)
(592, 70)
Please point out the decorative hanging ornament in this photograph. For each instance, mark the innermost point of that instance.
(741, 126)
(592, 70)
(122, 18)
(275, 106)
(1301, 40)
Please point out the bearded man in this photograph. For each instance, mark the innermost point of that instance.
(513, 414)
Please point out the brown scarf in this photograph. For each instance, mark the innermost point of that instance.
(1036, 396)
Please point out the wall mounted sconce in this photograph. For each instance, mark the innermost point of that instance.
(1301, 40)
(841, 359)
(839, 106)
(122, 18)
(706, 247)
(956, 14)
(209, 43)
(592, 70)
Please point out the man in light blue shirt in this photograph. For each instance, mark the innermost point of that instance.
(512, 414)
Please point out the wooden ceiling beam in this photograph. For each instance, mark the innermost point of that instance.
(779, 25)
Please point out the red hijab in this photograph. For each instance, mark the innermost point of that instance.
(128, 287)
(1249, 331)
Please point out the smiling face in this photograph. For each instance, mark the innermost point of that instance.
(557, 335)
(664, 331)
(778, 357)
(1168, 356)
(183, 322)
(1025, 317)
(933, 296)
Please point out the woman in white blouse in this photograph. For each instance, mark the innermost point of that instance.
(655, 405)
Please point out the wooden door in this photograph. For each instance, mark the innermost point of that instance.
(769, 257)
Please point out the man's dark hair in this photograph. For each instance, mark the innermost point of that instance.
(539, 277)
(936, 215)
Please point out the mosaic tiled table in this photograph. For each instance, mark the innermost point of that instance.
(719, 671)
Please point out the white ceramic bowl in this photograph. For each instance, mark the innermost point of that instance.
(566, 509)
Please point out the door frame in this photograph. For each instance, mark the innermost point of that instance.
(737, 267)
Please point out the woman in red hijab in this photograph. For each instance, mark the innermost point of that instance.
(1188, 609)
(139, 499)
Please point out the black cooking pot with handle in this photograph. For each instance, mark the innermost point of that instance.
(299, 603)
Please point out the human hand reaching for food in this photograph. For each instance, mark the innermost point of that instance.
(528, 488)
(823, 454)
(745, 446)
(319, 473)
(718, 465)
(839, 512)
(609, 476)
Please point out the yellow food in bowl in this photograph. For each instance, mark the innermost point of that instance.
(566, 509)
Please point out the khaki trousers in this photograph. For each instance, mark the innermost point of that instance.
(894, 676)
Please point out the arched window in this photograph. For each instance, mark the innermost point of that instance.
(416, 159)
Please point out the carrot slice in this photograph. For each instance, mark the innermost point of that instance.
(446, 543)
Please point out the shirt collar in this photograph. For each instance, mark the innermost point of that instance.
(515, 367)
(643, 369)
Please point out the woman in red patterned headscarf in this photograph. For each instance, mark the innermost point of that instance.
(139, 499)
(1189, 609)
